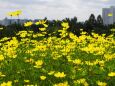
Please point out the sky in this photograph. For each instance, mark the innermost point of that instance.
(54, 9)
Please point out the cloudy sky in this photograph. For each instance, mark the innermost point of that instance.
(54, 9)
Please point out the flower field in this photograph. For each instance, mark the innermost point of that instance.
(30, 59)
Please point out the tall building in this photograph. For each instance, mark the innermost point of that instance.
(108, 15)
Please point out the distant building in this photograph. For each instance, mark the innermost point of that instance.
(7, 21)
(108, 15)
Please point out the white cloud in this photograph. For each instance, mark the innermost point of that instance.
(54, 9)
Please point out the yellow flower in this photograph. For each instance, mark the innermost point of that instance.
(83, 33)
(1, 28)
(82, 81)
(18, 12)
(9, 83)
(101, 63)
(15, 13)
(101, 83)
(59, 74)
(2, 75)
(27, 24)
(40, 22)
(31, 85)
(77, 61)
(111, 74)
(1, 57)
(62, 84)
(29, 60)
(26, 80)
(42, 77)
(23, 35)
(72, 36)
(65, 24)
(45, 25)
(38, 64)
(15, 81)
(42, 29)
(41, 48)
(51, 73)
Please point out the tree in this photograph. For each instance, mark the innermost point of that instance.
(90, 24)
(74, 20)
(73, 25)
(99, 19)
(92, 19)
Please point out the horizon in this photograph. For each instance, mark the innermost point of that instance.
(53, 9)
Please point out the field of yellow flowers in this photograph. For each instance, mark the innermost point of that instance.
(67, 60)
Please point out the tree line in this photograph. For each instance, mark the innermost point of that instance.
(93, 24)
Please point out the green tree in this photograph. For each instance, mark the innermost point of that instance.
(92, 19)
(99, 19)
